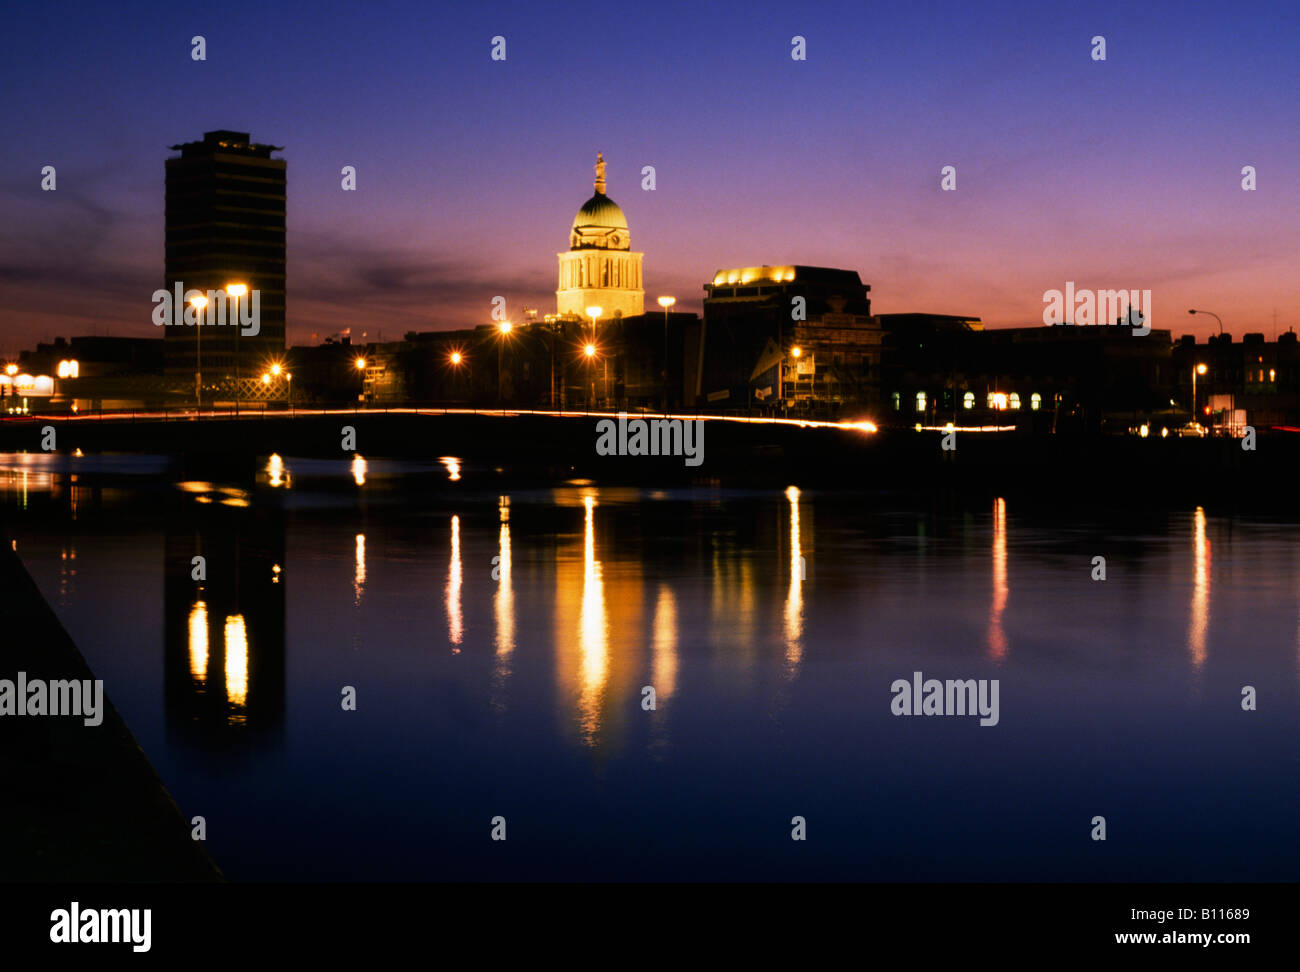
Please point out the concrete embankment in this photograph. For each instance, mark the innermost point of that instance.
(80, 803)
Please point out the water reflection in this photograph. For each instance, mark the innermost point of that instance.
(455, 622)
(359, 569)
(277, 474)
(794, 597)
(681, 590)
(236, 652)
(504, 607)
(198, 628)
(997, 637)
(592, 643)
(1199, 626)
(223, 623)
(67, 571)
(664, 673)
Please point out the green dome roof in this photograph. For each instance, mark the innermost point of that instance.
(600, 211)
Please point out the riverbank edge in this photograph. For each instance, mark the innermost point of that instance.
(81, 803)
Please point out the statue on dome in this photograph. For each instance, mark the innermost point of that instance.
(600, 173)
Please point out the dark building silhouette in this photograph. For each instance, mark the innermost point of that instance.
(940, 369)
(1252, 381)
(755, 318)
(225, 224)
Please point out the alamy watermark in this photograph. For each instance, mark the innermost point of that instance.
(187, 308)
(61, 697)
(952, 697)
(651, 437)
(128, 925)
(1118, 308)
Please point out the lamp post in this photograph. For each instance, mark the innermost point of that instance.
(665, 303)
(198, 303)
(360, 365)
(236, 290)
(590, 352)
(504, 330)
(1198, 370)
(594, 313)
(455, 359)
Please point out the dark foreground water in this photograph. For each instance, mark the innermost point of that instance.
(499, 641)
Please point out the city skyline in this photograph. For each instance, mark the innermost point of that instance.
(469, 169)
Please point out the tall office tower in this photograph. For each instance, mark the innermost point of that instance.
(225, 227)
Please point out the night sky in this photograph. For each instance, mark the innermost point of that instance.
(1122, 173)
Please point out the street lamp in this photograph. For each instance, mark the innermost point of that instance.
(1211, 314)
(503, 329)
(236, 290)
(594, 313)
(359, 364)
(1200, 369)
(455, 359)
(589, 350)
(198, 302)
(665, 303)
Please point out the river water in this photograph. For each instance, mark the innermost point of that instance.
(501, 642)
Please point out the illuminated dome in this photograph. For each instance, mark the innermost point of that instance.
(600, 224)
(599, 269)
(600, 212)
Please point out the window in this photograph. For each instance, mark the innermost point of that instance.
(920, 401)
(895, 397)
(1035, 401)
(1015, 400)
(968, 400)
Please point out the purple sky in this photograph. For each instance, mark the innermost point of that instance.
(1122, 173)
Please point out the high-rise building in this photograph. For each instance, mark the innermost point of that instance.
(600, 269)
(225, 225)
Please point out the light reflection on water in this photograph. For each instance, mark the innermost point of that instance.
(509, 635)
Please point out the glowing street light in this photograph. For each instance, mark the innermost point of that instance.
(589, 352)
(665, 303)
(594, 313)
(504, 329)
(455, 358)
(1200, 369)
(198, 302)
(237, 290)
(11, 370)
(360, 364)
